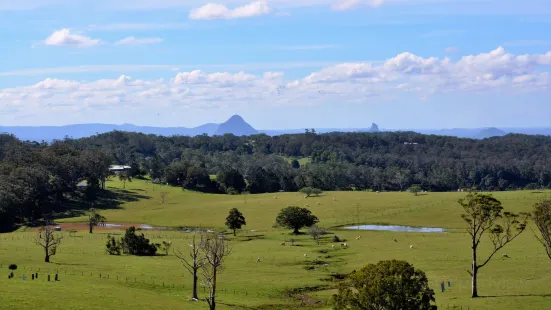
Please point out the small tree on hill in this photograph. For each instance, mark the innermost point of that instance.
(541, 216)
(387, 285)
(309, 191)
(415, 189)
(94, 219)
(163, 196)
(484, 215)
(125, 176)
(295, 164)
(235, 220)
(195, 262)
(48, 240)
(295, 218)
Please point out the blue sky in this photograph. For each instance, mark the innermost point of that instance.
(280, 64)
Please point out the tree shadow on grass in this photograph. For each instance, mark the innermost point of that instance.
(106, 200)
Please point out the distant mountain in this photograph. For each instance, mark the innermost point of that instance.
(238, 126)
(490, 132)
(49, 133)
(235, 125)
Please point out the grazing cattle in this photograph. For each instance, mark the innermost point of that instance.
(358, 238)
(377, 192)
(395, 240)
(307, 205)
(344, 245)
(258, 260)
(318, 203)
(504, 255)
(282, 243)
(334, 199)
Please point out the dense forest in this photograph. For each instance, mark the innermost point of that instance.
(36, 177)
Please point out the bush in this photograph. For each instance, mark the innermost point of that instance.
(232, 191)
(134, 244)
(12, 267)
(336, 239)
(113, 247)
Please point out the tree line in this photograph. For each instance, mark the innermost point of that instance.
(338, 161)
(37, 179)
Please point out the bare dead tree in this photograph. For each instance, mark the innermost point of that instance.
(49, 240)
(215, 249)
(163, 196)
(194, 263)
(541, 216)
(483, 215)
(316, 233)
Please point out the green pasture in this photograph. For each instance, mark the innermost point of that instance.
(126, 282)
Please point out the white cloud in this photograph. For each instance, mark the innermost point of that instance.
(451, 49)
(65, 37)
(355, 82)
(220, 11)
(138, 41)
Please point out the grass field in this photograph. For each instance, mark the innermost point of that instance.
(127, 282)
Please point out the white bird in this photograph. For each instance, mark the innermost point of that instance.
(305, 255)
(258, 260)
(333, 246)
(411, 246)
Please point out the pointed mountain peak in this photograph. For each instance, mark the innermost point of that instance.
(235, 125)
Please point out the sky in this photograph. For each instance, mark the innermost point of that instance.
(280, 64)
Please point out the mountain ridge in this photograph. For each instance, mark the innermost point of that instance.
(238, 126)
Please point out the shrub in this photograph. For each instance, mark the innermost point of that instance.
(113, 247)
(12, 267)
(232, 191)
(134, 244)
(336, 239)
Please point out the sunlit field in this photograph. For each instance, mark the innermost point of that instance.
(284, 278)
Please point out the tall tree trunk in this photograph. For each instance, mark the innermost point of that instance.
(91, 228)
(296, 232)
(474, 275)
(47, 258)
(195, 278)
(234, 233)
(213, 291)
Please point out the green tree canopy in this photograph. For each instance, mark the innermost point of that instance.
(387, 285)
(235, 220)
(295, 218)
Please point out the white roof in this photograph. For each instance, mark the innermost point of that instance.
(119, 167)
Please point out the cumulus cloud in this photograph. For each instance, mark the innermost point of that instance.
(359, 82)
(220, 11)
(138, 41)
(65, 37)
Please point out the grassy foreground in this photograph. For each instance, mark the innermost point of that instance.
(127, 282)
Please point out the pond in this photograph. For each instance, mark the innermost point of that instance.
(397, 228)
